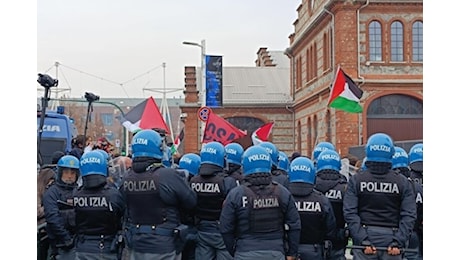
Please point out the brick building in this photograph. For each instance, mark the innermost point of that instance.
(379, 44)
(252, 96)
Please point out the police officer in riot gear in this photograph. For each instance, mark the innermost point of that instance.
(283, 163)
(189, 165)
(416, 175)
(277, 175)
(378, 205)
(259, 219)
(315, 210)
(400, 161)
(333, 185)
(211, 186)
(58, 206)
(416, 162)
(155, 197)
(233, 152)
(319, 148)
(98, 211)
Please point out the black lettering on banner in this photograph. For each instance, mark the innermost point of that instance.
(209, 133)
(221, 133)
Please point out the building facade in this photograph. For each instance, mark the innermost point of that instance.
(379, 44)
(252, 96)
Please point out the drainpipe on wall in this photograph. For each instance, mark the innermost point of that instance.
(360, 115)
(288, 52)
(332, 36)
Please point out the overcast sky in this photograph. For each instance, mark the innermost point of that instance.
(102, 44)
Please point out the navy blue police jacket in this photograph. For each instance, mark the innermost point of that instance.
(99, 208)
(155, 197)
(59, 213)
(382, 200)
(239, 222)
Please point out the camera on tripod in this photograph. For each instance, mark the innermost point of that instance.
(90, 97)
(46, 81)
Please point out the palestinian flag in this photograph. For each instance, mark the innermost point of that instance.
(262, 133)
(177, 142)
(345, 94)
(144, 115)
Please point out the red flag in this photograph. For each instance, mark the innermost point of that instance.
(220, 130)
(145, 115)
(262, 133)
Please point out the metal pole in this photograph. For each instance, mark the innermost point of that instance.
(203, 87)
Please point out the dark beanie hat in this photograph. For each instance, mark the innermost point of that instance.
(56, 156)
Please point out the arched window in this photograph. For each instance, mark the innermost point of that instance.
(329, 127)
(417, 41)
(396, 105)
(309, 136)
(398, 115)
(397, 41)
(246, 123)
(315, 131)
(299, 136)
(375, 41)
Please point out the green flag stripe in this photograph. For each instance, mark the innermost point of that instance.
(346, 105)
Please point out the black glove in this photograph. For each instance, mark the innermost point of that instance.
(394, 244)
(394, 248)
(369, 248)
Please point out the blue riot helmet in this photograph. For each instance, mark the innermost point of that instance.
(400, 158)
(328, 160)
(67, 162)
(302, 170)
(234, 151)
(380, 148)
(167, 157)
(104, 153)
(147, 143)
(416, 157)
(283, 161)
(416, 153)
(273, 151)
(213, 153)
(93, 162)
(320, 147)
(256, 159)
(190, 162)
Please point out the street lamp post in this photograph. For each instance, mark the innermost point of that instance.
(202, 89)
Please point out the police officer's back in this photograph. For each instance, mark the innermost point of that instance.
(188, 166)
(333, 185)
(259, 218)
(154, 197)
(58, 206)
(98, 211)
(379, 204)
(283, 163)
(319, 148)
(233, 152)
(277, 175)
(416, 176)
(315, 210)
(211, 186)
